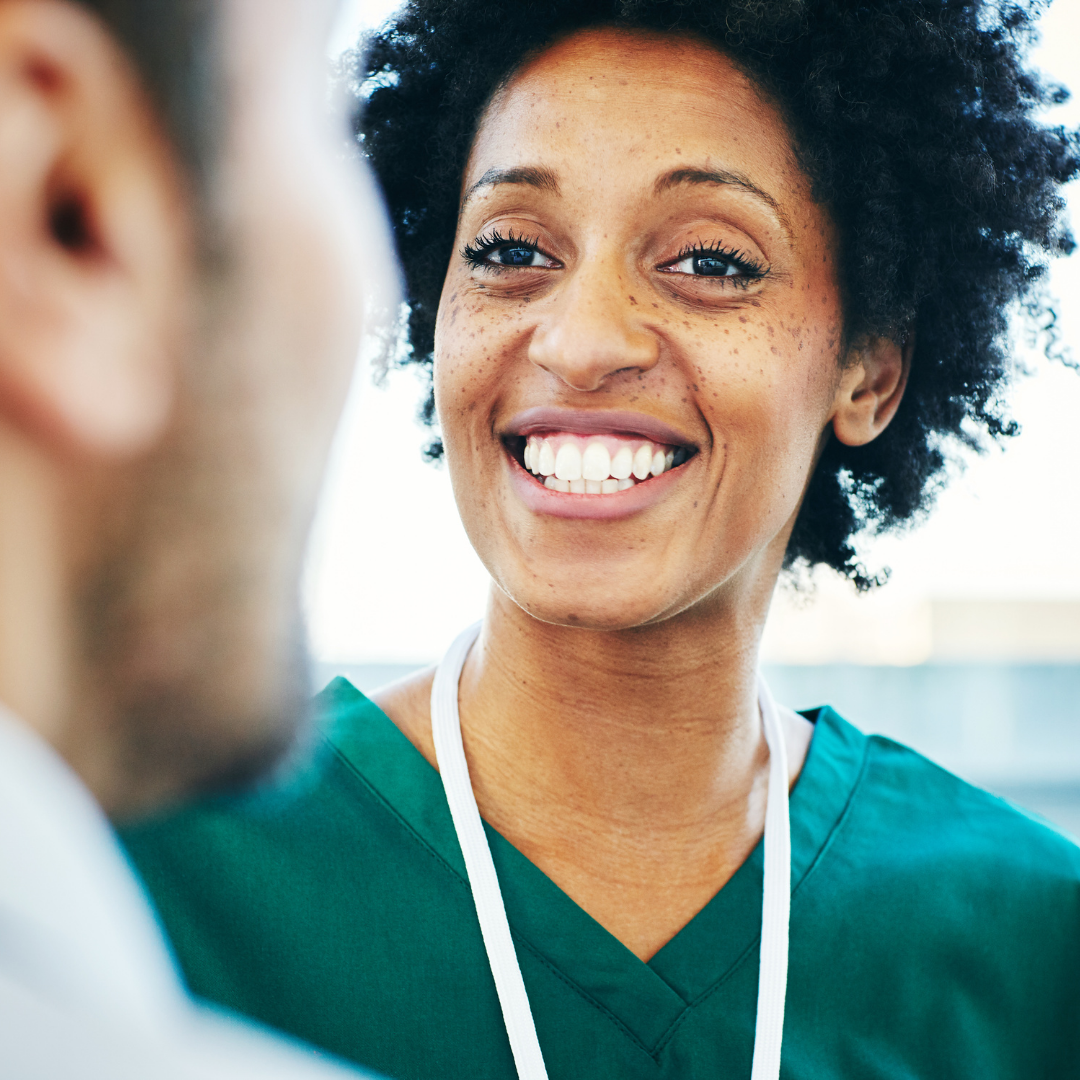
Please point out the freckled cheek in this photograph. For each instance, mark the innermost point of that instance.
(800, 408)
(735, 380)
(469, 377)
(476, 344)
(764, 400)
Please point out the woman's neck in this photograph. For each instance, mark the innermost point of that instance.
(629, 766)
(641, 729)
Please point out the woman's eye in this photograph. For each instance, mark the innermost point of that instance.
(518, 255)
(706, 265)
(497, 250)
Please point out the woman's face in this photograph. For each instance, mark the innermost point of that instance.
(637, 348)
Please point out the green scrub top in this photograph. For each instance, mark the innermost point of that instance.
(935, 929)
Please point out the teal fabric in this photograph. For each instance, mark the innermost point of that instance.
(935, 930)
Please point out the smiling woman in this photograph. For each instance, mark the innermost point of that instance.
(703, 287)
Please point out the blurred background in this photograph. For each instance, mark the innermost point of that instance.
(970, 654)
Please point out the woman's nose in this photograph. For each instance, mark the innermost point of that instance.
(594, 331)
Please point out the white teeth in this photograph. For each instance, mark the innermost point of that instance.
(568, 462)
(622, 464)
(596, 462)
(545, 460)
(643, 461)
(604, 466)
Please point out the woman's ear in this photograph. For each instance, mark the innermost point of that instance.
(95, 269)
(872, 383)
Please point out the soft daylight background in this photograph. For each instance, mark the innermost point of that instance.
(971, 653)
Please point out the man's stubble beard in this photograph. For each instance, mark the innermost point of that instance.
(190, 646)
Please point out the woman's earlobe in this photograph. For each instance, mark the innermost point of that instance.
(872, 385)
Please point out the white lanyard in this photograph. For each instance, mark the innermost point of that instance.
(491, 913)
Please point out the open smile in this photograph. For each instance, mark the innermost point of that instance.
(573, 464)
(572, 461)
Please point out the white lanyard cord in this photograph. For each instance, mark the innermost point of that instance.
(776, 902)
(487, 896)
(491, 912)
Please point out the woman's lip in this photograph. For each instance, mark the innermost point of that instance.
(619, 504)
(594, 422)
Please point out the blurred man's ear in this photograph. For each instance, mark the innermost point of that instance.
(94, 239)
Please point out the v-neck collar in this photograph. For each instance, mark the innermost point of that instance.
(647, 1000)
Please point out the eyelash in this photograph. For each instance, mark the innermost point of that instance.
(750, 270)
(476, 252)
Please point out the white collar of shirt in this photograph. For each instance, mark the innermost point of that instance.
(74, 923)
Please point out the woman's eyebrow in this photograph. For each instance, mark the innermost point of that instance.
(534, 175)
(722, 177)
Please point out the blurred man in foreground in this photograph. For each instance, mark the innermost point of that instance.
(181, 249)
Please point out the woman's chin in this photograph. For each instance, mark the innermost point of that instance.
(594, 609)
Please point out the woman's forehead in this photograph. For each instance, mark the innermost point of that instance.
(607, 102)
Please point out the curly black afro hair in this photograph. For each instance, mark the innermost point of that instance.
(916, 121)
